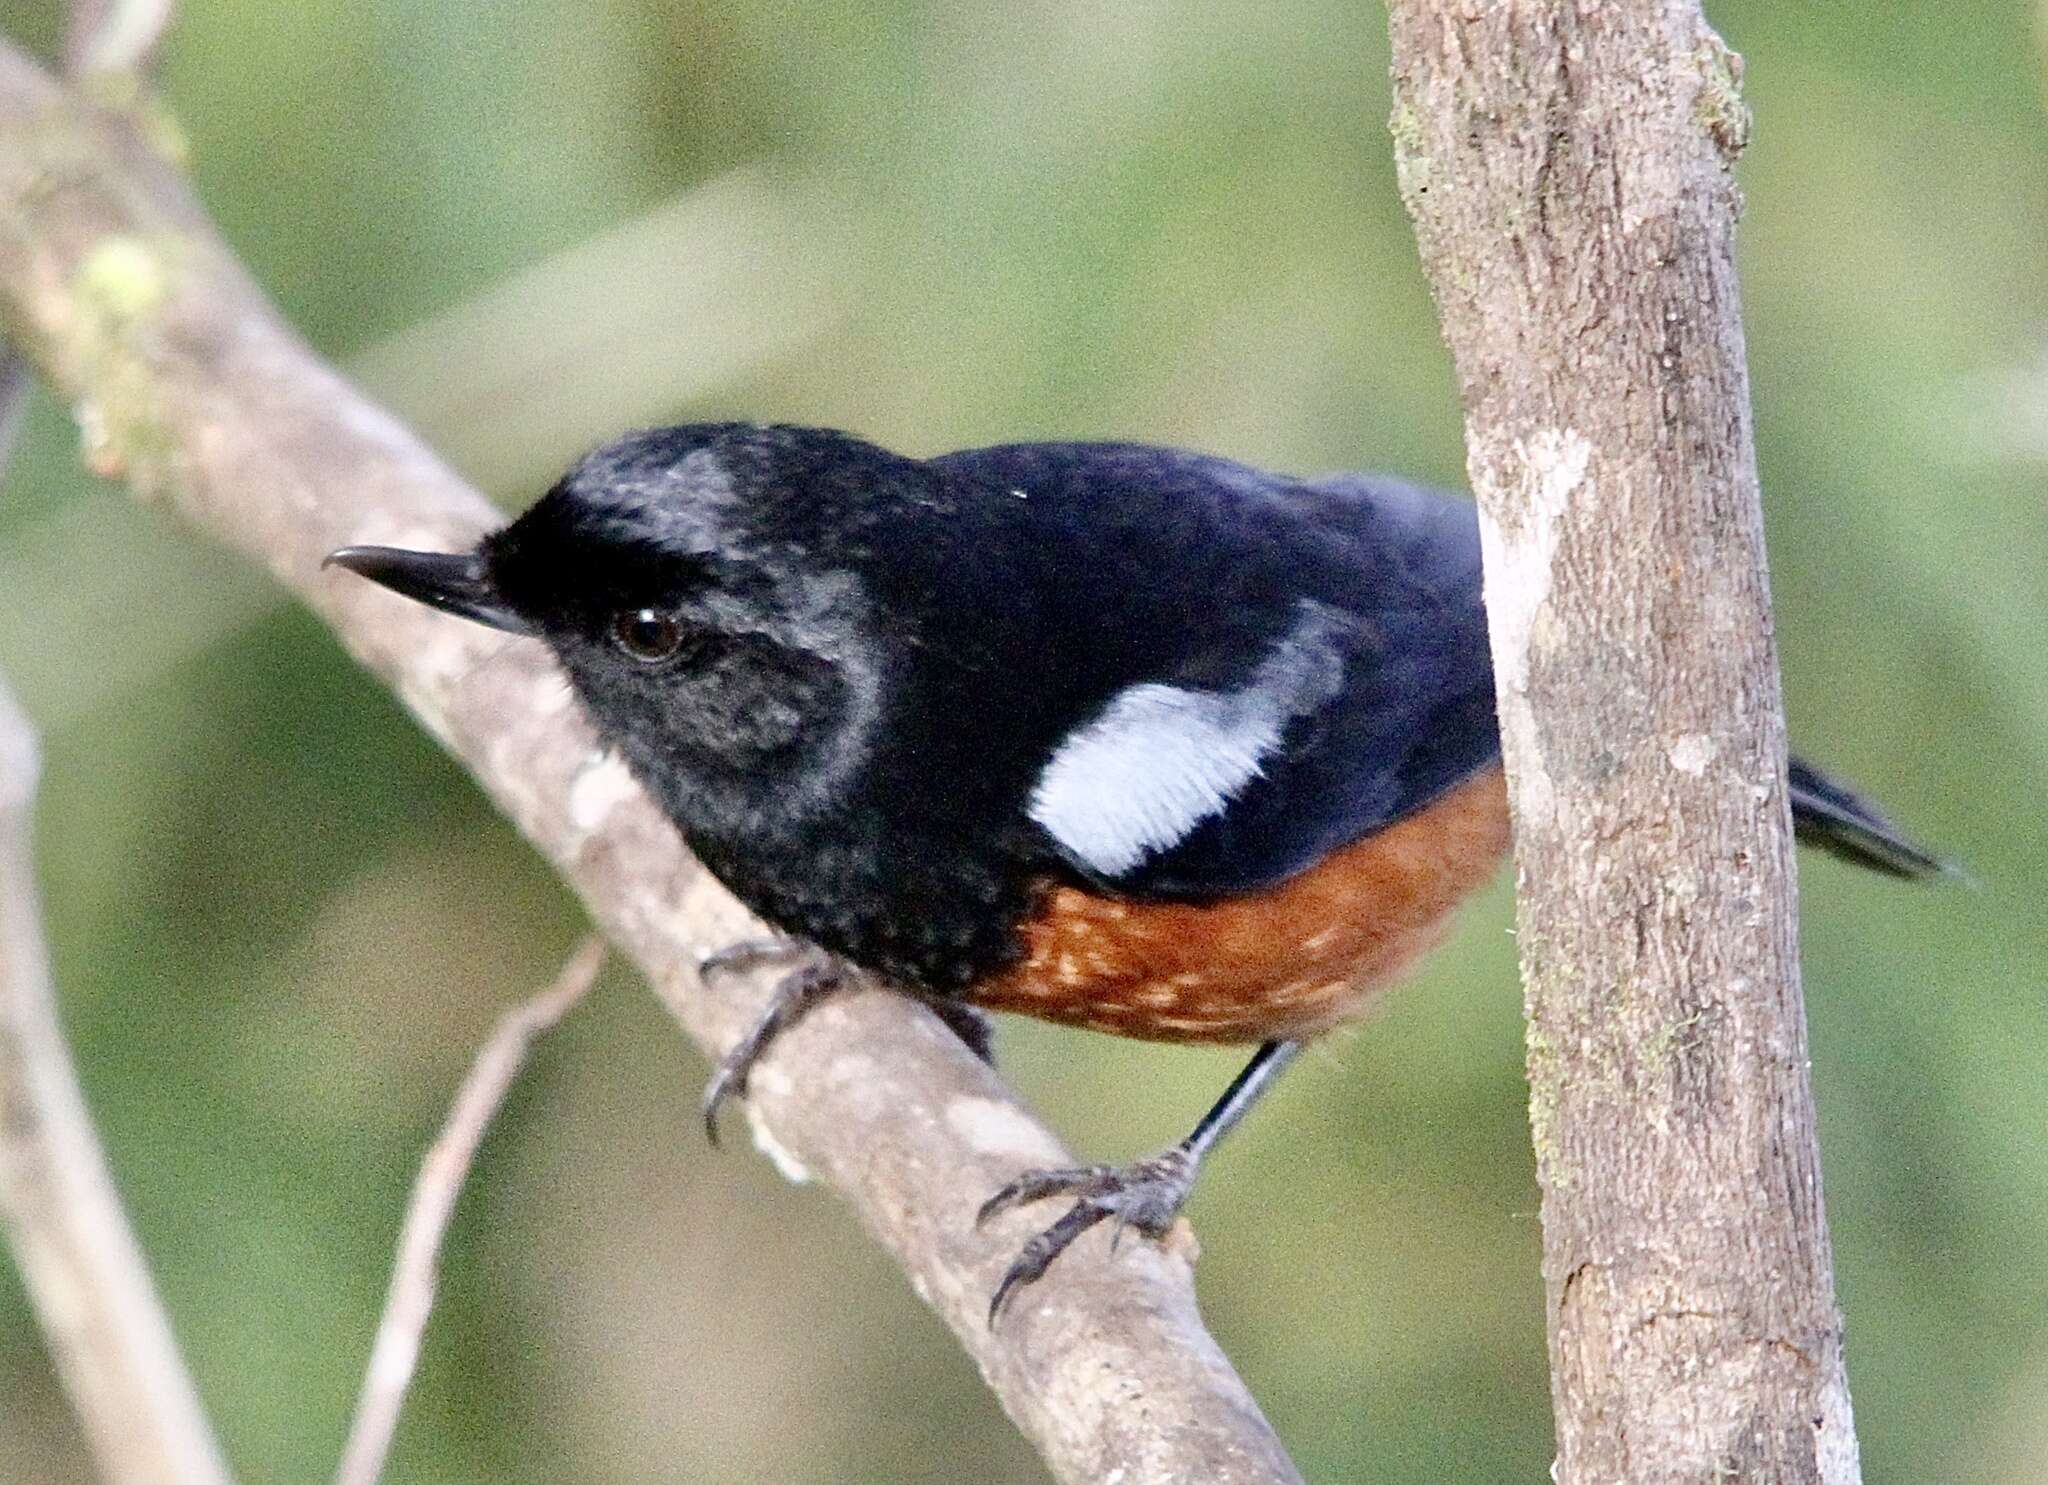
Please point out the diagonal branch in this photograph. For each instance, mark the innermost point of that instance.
(83, 1271)
(190, 388)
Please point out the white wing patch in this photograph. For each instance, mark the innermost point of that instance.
(1161, 759)
(1158, 761)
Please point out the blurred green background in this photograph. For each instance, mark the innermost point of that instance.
(282, 920)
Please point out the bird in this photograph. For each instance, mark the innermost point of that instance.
(1125, 737)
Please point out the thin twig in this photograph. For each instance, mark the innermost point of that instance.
(434, 1194)
(102, 36)
(84, 1273)
(16, 381)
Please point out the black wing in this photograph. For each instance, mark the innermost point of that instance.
(1329, 631)
(1414, 718)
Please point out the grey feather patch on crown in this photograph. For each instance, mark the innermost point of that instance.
(1160, 759)
(631, 493)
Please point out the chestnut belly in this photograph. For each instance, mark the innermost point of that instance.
(1288, 962)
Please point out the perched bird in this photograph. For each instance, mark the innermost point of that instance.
(1124, 737)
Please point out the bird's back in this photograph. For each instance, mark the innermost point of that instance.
(1188, 572)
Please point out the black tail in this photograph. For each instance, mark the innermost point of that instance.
(1827, 815)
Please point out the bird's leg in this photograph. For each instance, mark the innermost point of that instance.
(965, 1022)
(813, 978)
(1147, 1194)
(803, 987)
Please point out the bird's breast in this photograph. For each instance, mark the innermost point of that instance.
(1287, 962)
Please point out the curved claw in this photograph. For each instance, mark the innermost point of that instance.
(1037, 1255)
(726, 1082)
(1147, 1196)
(799, 990)
(1036, 1185)
(746, 954)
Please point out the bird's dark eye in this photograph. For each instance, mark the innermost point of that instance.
(647, 634)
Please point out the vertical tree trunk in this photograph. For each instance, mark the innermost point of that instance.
(1568, 169)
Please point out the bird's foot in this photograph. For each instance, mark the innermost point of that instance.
(1146, 1195)
(814, 976)
(803, 987)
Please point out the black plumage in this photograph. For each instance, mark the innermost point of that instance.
(905, 708)
(995, 601)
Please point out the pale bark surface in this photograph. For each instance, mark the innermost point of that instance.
(188, 386)
(1568, 168)
(58, 1210)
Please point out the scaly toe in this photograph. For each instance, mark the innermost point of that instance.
(747, 954)
(1036, 1185)
(1037, 1255)
(1146, 1196)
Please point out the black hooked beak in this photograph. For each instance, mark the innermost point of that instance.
(453, 582)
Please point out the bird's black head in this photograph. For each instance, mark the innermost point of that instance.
(700, 585)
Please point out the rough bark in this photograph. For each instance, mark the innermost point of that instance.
(1568, 169)
(188, 386)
